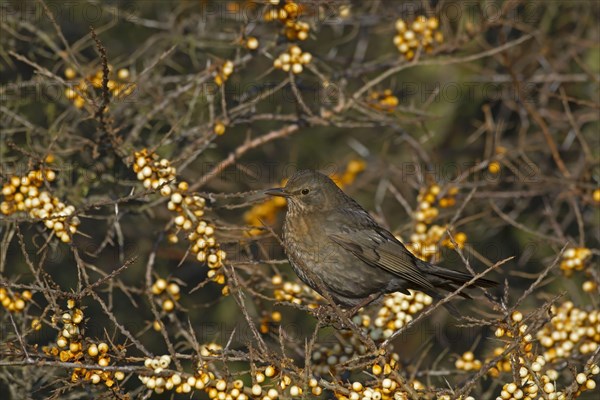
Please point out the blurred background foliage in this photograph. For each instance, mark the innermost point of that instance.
(501, 115)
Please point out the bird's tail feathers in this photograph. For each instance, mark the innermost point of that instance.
(450, 277)
(450, 280)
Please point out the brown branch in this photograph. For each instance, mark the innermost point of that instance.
(248, 145)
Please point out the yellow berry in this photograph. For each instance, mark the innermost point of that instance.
(433, 23)
(494, 167)
(252, 43)
(596, 196)
(19, 304)
(61, 342)
(102, 347)
(270, 371)
(95, 378)
(589, 286)
(159, 286)
(219, 128)
(93, 350)
(168, 305)
(36, 324)
(123, 74)
(70, 73)
(173, 288)
(297, 68)
(79, 102)
(460, 237)
(400, 26)
(517, 316)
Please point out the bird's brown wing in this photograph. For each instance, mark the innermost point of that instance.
(377, 250)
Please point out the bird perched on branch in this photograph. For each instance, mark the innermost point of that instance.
(335, 246)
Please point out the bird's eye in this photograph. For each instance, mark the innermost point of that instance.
(305, 191)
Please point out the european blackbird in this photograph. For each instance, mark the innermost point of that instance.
(329, 237)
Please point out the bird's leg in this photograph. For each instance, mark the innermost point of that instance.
(328, 317)
(367, 300)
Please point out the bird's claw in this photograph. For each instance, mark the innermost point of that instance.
(328, 316)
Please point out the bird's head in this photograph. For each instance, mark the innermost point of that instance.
(309, 191)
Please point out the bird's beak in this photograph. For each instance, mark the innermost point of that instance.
(276, 192)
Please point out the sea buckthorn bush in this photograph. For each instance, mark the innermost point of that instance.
(140, 258)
